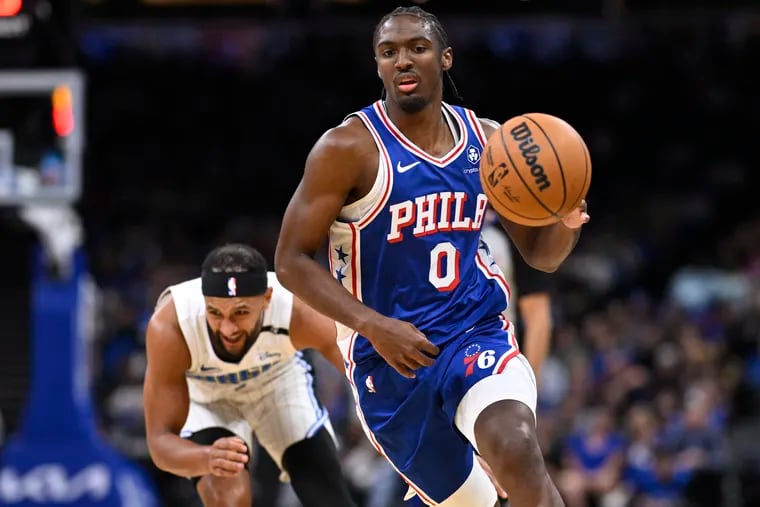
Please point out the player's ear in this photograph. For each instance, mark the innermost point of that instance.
(268, 295)
(378, 68)
(447, 59)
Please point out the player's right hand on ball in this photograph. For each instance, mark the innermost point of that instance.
(227, 457)
(402, 346)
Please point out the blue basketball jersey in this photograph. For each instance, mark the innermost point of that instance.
(415, 253)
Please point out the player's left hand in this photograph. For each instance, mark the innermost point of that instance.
(576, 218)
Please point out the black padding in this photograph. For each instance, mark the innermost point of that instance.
(315, 472)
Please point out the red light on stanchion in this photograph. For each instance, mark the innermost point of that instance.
(10, 8)
(63, 111)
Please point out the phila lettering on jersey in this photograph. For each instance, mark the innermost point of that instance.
(272, 355)
(411, 248)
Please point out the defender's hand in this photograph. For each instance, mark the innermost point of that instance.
(402, 346)
(227, 457)
(576, 218)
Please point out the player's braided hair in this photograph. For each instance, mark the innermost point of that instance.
(234, 258)
(438, 31)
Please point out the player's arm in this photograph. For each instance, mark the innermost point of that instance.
(534, 305)
(536, 315)
(166, 402)
(546, 247)
(309, 329)
(335, 168)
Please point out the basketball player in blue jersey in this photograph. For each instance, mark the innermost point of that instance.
(433, 364)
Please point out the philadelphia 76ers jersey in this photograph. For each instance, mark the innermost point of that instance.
(411, 248)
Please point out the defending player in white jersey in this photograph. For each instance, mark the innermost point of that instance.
(223, 363)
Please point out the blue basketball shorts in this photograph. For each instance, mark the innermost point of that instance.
(425, 426)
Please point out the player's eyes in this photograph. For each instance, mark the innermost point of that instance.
(387, 53)
(420, 49)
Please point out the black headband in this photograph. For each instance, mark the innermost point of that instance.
(234, 285)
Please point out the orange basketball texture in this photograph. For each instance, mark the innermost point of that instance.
(536, 169)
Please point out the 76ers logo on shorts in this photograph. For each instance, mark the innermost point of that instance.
(473, 355)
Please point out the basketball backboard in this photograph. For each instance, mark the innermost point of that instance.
(41, 136)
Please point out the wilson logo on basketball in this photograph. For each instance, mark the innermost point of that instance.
(529, 151)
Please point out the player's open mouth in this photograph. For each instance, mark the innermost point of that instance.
(407, 84)
(231, 340)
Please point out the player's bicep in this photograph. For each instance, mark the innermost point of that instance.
(165, 394)
(308, 217)
(330, 174)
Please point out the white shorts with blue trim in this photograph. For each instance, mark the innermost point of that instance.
(280, 414)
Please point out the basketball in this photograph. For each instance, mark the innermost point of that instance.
(536, 169)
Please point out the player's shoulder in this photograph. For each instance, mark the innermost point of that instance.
(172, 299)
(165, 342)
(192, 285)
(489, 126)
(350, 138)
(164, 319)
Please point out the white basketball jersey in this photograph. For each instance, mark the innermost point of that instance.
(211, 379)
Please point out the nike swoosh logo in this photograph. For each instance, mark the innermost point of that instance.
(404, 168)
(209, 368)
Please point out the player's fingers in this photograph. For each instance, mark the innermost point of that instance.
(239, 446)
(233, 464)
(419, 359)
(227, 471)
(414, 360)
(239, 442)
(216, 472)
(231, 441)
(221, 472)
(227, 465)
(232, 444)
(428, 346)
(404, 370)
(229, 457)
(235, 456)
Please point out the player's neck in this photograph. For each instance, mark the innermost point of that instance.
(426, 128)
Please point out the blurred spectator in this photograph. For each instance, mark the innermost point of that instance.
(593, 460)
